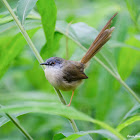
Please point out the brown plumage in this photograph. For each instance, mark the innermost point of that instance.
(74, 71)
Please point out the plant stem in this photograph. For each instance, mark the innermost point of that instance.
(129, 89)
(64, 102)
(60, 96)
(119, 79)
(19, 127)
(37, 55)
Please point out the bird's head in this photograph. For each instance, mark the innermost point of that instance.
(53, 62)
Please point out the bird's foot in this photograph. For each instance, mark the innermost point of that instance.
(68, 105)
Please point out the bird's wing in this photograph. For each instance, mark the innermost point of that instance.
(74, 72)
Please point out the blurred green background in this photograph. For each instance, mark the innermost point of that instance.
(101, 96)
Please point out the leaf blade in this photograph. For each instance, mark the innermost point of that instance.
(48, 11)
(54, 108)
(128, 122)
(24, 7)
(11, 48)
(104, 133)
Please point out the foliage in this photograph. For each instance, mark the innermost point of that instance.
(101, 100)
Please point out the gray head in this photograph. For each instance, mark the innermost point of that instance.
(53, 61)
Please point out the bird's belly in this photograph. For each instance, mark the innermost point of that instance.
(66, 86)
(54, 76)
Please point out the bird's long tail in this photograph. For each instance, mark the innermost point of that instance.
(100, 40)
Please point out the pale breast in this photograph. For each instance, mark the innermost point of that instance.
(55, 77)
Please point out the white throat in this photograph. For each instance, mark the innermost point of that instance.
(53, 75)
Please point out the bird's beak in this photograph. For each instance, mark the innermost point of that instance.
(43, 63)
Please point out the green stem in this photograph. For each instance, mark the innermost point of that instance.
(129, 89)
(60, 96)
(119, 79)
(73, 125)
(37, 55)
(64, 102)
(18, 126)
(24, 132)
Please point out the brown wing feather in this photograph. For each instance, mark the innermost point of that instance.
(74, 72)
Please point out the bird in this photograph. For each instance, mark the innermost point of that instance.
(67, 75)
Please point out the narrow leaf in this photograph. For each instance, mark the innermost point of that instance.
(58, 136)
(128, 122)
(11, 29)
(55, 108)
(104, 133)
(48, 11)
(10, 48)
(134, 111)
(23, 9)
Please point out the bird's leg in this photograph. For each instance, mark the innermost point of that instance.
(71, 99)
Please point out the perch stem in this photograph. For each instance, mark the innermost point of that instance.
(72, 122)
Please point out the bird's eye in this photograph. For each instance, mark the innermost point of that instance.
(52, 63)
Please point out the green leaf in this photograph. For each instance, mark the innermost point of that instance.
(48, 11)
(6, 19)
(53, 108)
(71, 136)
(128, 122)
(58, 136)
(128, 55)
(74, 136)
(52, 51)
(27, 96)
(116, 44)
(11, 28)
(77, 32)
(10, 48)
(104, 133)
(134, 111)
(133, 11)
(23, 9)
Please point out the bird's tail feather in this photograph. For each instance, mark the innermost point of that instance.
(100, 40)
